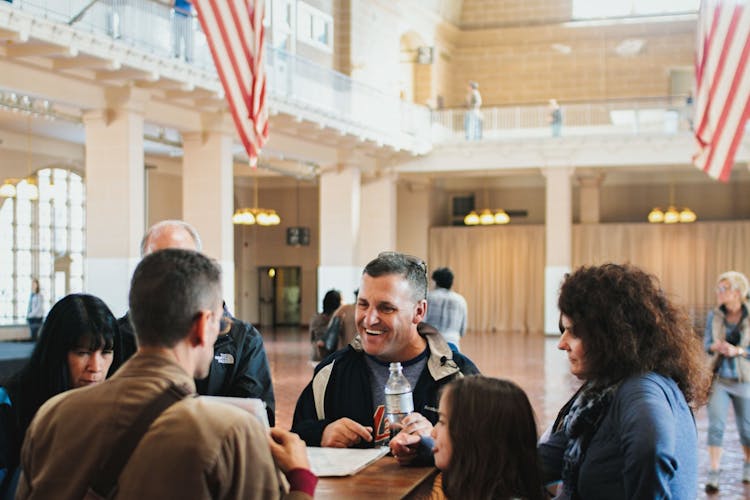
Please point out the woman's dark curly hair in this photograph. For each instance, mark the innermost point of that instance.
(628, 326)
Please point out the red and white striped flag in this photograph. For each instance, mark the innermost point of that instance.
(722, 72)
(235, 34)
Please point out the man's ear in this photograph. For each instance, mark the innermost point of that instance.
(420, 311)
(200, 329)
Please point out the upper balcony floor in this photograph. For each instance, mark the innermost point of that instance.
(73, 54)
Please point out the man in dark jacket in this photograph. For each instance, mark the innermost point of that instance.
(343, 406)
(240, 366)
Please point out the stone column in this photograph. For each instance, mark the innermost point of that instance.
(558, 225)
(208, 193)
(340, 203)
(589, 195)
(378, 217)
(115, 215)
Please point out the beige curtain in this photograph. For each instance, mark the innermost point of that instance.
(500, 270)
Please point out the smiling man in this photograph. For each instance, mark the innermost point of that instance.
(343, 405)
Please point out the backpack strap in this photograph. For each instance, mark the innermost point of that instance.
(104, 484)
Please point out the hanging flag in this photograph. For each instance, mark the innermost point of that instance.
(722, 71)
(235, 34)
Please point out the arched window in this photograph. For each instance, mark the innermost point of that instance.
(43, 239)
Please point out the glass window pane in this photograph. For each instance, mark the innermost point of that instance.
(76, 241)
(76, 216)
(23, 237)
(45, 214)
(76, 265)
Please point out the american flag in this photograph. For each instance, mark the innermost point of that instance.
(722, 71)
(235, 34)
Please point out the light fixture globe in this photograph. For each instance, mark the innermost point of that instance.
(471, 219)
(687, 215)
(671, 216)
(501, 217)
(486, 218)
(656, 216)
(8, 190)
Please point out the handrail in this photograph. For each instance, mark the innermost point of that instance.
(651, 115)
(151, 26)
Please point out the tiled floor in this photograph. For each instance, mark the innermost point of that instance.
(531, 361)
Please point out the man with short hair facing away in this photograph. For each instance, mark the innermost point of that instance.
(240, 366)
(196, 448)
(446, 309)
(343, 405)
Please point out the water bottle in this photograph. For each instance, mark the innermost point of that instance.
(398, 398)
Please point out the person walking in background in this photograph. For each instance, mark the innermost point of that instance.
(555, 117)
(74, 350)
(629, 431)
(473, 116)
(485, 442)
(319, 325)
(726, 338)
(35, 311)
(347, 327)
(446, 309)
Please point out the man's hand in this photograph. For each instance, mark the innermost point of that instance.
(416, 423)
(344, 433)
(404, 447)
(288, 450)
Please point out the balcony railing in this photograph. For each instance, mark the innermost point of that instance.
(657, 115)
(153, 27)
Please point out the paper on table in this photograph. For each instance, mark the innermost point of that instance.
(327, 462)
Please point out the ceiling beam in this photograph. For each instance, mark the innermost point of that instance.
(39, 49)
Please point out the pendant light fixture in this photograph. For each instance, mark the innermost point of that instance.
(671, 215)
(486, 216)
(255, 215)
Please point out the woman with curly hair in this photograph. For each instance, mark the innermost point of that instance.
(727, 339)
(485, 442)
(629, 431)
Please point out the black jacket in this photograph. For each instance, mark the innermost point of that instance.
(342, 382)
(239, 368)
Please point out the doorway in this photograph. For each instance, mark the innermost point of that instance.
(279, 295)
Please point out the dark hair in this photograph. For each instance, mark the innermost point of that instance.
(331, 301)
(443, 277)
(628, 326)
(411, 268)
(169, 287)
(492, 428)
(75, 321)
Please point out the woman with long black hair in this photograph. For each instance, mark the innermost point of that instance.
(75, 349)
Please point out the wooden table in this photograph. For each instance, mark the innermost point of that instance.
(384, 479)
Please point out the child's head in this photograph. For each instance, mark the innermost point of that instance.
(485, 440)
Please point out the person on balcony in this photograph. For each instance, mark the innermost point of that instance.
(182, 30)
(555, 117)
(473, 116)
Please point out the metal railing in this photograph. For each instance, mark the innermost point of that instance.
(650, 115)
(156, 28)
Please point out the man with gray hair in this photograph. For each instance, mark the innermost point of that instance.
(343, 405)
(240, 366)
(195, 448)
